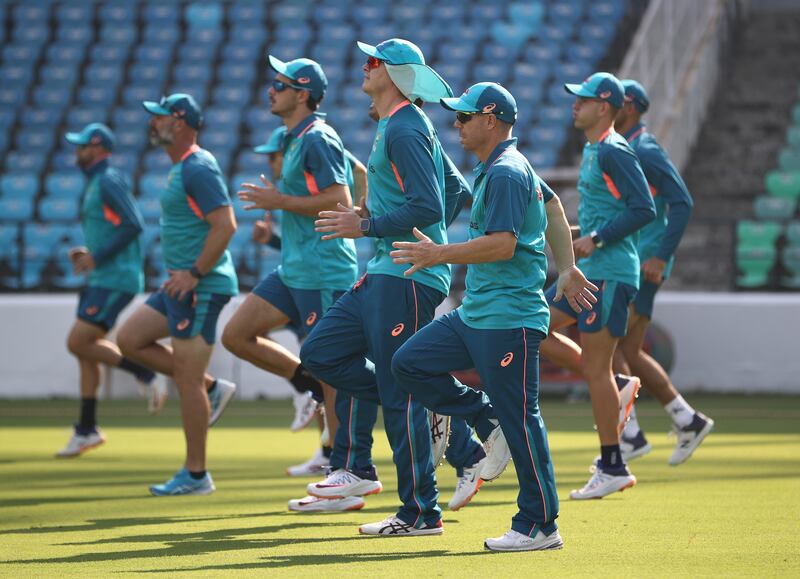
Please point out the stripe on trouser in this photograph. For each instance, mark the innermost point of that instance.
(408, 418)
(525, 416)
(349, 435)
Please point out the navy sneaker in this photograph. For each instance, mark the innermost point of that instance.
(634, 447)
(690, 437)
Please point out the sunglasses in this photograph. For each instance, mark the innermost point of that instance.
(464, 118)
(281, 86)
(373, 63)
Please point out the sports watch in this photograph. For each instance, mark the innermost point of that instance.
(596, 239)
(365, 225)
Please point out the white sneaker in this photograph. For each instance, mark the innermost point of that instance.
(342, 483)
(394, 527)
(628, 392)
(633, 447)
(219, 399)
(318, 505)
(440, 434)
(80, 443)
(690, 437)
(304, 409)
(514, 541)
(498, 455)
(314, 466)
(156, 394)
(602, 484)
(468, 486)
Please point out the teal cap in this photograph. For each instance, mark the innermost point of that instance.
(178, 105)
(307, 73)
(274, 143)
(394, 51)
(635, 93)
(485, 97)
(93, 134)
(600, 85)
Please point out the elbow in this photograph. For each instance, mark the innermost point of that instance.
(430, 216)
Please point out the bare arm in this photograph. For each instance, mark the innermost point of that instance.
(360, 183)
(268, 197)
(222, 227)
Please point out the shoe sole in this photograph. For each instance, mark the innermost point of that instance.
(580, 498)
(83, 449)
(469, 498)
(357, 507)
(416, 533)
(374, 491)
(201, 492)
(698, 441)
(637, 384)
(226, 398)
(554, 547)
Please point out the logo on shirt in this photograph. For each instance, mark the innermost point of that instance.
(92, 310)
(398, 329)
(473, 225)
(507, 359)
(183, 324)
(312, 317)
(539, 195)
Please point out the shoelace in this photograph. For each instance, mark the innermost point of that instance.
(340, 477)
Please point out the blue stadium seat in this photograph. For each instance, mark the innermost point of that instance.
(156, 160)
(191, 73)
(290, 12)
(541, 158)
(531, 72)
(16, 209)
(564, 12)
(65, 184)
(598, 35)
(120, 35)
(118, 13)
(125, 162)
(21, 54)
(132, 139)
(39, 118)
(222, 117)
(34, 35)
(65, 278)
(63, 76)
(161, 35)
(606, 12)
(75, 35)
(35, 139)
(164, 13)
(131, 116)
(150, 208)
(62, 209)
(103, 74)
(541, 53)
(235, 73)
(9, 235)
(151, 184)
(231, 95)
(144, 73)
(31, 12)
(204, 15)
(19, 186)
(109, 53)
(133, 95)
(79, 117)
(64, 160)
(328, 13)
(559, 97)
(96, 95)
(66, 55)
(7, 118)
(257, 118)
(491, 71)
(194, 53)
(246, 13)
(206, 36)
(216, 139)
(17, 77)
(240, 54)
(76, 13)
(250, 162)
(150, 236)
(153, 55)
(198, 91)
(556, 115)
(25, 161)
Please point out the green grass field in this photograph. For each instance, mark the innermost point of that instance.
(732, 510)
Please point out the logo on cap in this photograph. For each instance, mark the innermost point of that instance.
(95, 140)
(304, 80)
(605, 94)
(489, 108)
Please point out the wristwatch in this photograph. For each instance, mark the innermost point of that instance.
(365, 225)
(195, 273)
(596, 239)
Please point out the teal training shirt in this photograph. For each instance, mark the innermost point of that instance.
(406, 190)
(508, 197)
(111, 224)
(195, 188)
(670, 195)
(614, 201)
(313, 160)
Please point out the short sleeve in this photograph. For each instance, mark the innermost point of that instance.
(507, 201)
(325, 161)
(205, 186)
(547, 192)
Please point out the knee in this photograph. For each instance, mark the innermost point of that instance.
(75, 345)
(231, 340)
(126, 342)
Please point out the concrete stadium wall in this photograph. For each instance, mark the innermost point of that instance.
(721, 343)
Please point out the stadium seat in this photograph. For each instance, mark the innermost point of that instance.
(132, 139)
(778, 208)
(783, 183)
(39, 118)
(35, 139)
(151, 184)
(231, 95)
(60, 54)
(755, 265)
(156, 160)
(18, 77)
(103, 74)
(790, 257)
(789, 160)
(19, 185)
(108, 53)
(757, 234)
(793, 136)
(132, 116)
(147, 73)
(59, 209)
(48, 96)
(235, 73)
(162, 35)
(65, 279)
(16, 209)
(204, 15)
(96, 95)
(125, 162)
(119, 35)
(79, 117)
(161, 12)
(150, 208)
(64, 160)
(241, 53)
(24, 162)
(134, 95)
(75, 35)
(11, 98)
(250, 14)
(191, 73)
(21, 54)
(118, 13)
(793, 233)
(153, 54)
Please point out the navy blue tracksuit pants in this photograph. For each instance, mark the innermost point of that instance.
(508, 364)
(368, 324)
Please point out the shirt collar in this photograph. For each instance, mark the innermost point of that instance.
(96, 167)
(495, 154)
(634, 131)
(305, 123)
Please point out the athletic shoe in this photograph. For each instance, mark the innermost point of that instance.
(304, 409)
(394, 527)
(633, 447)
(604, 483)
(183, 484)
(628, 391)
(468, 486)
(156, 394)
(219, 398)
(318, 505)
(314, 466)
(80, 443)
(514, 541)
(498, 455)
(690, 437)
(341, 484)
(440, 434)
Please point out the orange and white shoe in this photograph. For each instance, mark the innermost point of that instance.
(317, 505)
(629, 387)
(80, 443)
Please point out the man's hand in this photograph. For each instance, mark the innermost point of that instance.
(653, 270)
(573, 285)
(361, 209)
(344, 222)
(420, 254)
(266, 197)
(179, 283)
(82, 260)
(583, 246)
(262, 231)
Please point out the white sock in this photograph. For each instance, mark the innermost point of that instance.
(632, 428)
(680, 412)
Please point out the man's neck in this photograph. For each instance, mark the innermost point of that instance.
(300, 113)
(178, 150)
(490, 145)
(387, 101)
(593, 134)
(628, 125)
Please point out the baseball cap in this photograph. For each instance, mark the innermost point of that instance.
(307, 73)
(274, 143)
(485, 97)
(93, 134)
(178, 105)
(394, 51)
(634, 92)
(600, 85)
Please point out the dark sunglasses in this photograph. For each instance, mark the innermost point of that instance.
(373, 63)
(464, 118)
(281, 86)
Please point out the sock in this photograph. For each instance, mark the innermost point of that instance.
(88, 420)
(141, 373)
(303, 381)
(197, 475)
(611, 457)
(211, 388)
(632, 428)
(680, 412)
(327, 451)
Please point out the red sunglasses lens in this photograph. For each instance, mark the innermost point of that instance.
(373, 62)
